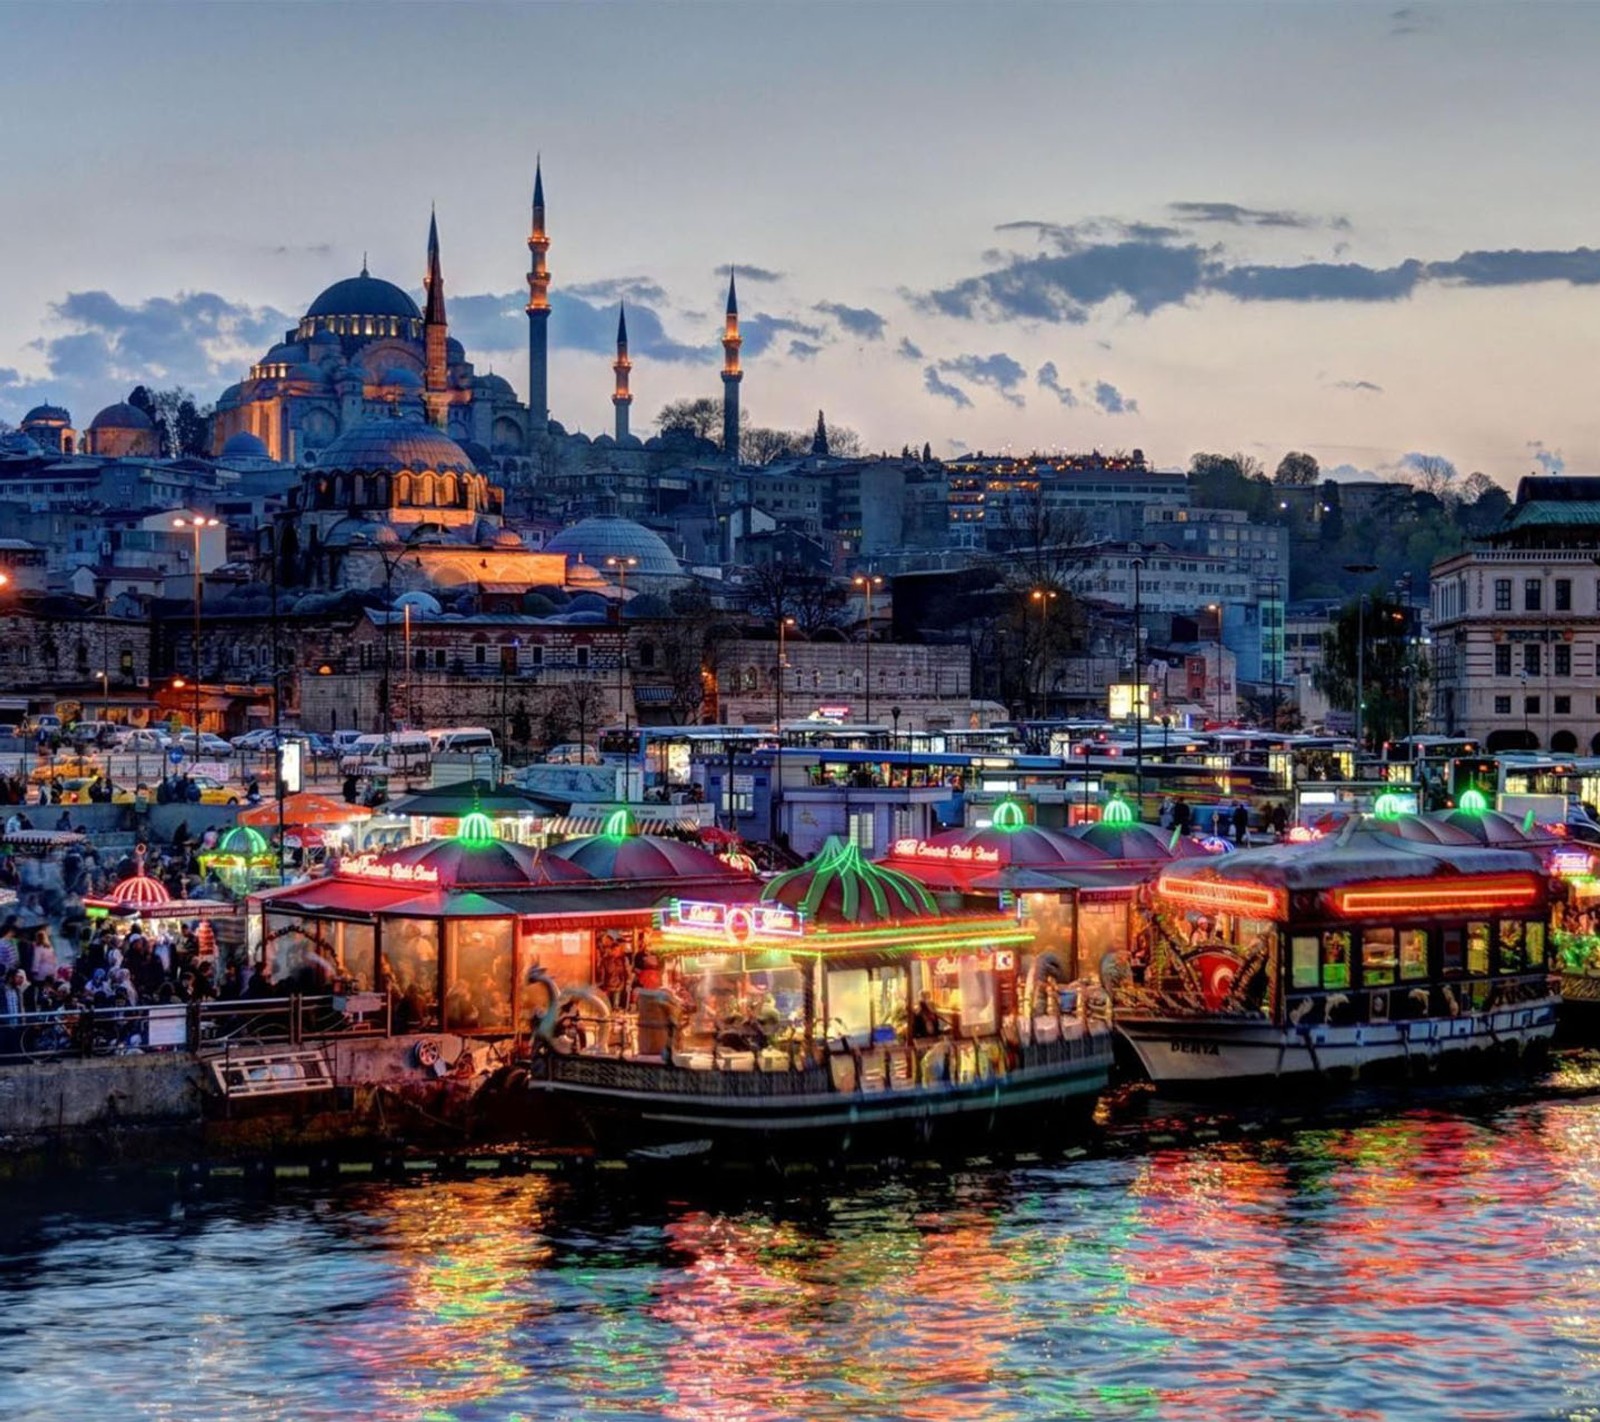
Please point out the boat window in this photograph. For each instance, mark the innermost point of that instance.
(1533, 939)
(977, 998)
(411, 964)
(1413, 954)
(849, 1005)
(477, 990)
(1477, 949)
(1510, 955)
(1450, 956)
(357, 945)
(1336, 958)
(1305, 957)
(888, 1004)
(1377, 957)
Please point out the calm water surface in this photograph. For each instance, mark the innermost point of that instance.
(1431, 1264)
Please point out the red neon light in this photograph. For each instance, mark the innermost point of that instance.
(956, 853)
(1490, 891)
(1253, 899)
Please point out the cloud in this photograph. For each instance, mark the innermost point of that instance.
(1348, 472)
(857, 320)
(497, 323)
(1230, 214)
(909, 349)
(944, 389)
(1084, 272)
(760, 330)
(958, 446)
(1112, 400)
(640, 289)
(998, 371)
(745, 273)
(1550, 460)
(803, 350)
(1366, 387)
(1409, 20)
(1049, 379)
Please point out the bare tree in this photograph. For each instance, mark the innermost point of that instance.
(1297, 469)
(1475, 486)
(759, 445)
(702, 418)
(774, 591)
(1433, 474)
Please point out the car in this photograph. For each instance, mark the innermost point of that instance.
(142, 741)
(47, 724)
(211, 747)
(573, 753)
(216, 792)
(93, 733)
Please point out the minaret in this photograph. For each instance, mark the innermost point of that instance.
(819, 441)
(538, 316)
(435, 379)
(731, 376)
(622, 397)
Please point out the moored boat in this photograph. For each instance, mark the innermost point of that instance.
(841, 1011)
(1398, 943)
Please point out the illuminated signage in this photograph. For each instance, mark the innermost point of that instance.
(1120, 701)
(369, 866)
(738, 921)
(1569, 863)
(1480, 892)
(951, 853)
(1254, 899)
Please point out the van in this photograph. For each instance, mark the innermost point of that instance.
(402, 752)
(461, 740)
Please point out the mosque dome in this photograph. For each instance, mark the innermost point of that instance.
(609, 536)
(364, 295)
(454, 351)
(393, 446)
(313, 373)
(398, 375)
(244, 445)
(121, 417)
(46, 414)
(496, 384)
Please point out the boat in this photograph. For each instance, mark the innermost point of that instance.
(841, 1011)
(1400, 943)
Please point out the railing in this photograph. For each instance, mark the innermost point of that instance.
(198, 1028)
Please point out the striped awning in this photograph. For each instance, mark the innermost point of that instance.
(572, 826)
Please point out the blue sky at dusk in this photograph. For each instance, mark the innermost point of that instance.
(1365, 231)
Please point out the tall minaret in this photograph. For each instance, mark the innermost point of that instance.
(731, 376)
(622, 397)
(435, 378)
(538, 316)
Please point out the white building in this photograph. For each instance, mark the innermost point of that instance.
(1169, 581)
(1516, 625)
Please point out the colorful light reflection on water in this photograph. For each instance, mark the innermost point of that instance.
(1427, 1265)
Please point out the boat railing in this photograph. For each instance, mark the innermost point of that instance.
(1403, 1001)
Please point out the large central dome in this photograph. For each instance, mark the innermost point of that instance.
(364, 295)
(394, 446)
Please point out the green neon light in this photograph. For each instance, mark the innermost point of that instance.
(857, 878)
(1473, 802)
(243, 840)
(1389, 807)
(476, 829)
(1117, 811)
(1008, 816)
(619, 825)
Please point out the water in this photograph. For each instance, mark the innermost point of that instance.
(1441, 1262)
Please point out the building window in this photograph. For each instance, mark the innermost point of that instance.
(438, 659)
(583, 656)
(1502, 660)
(1502, 594)
(1532, 594)
(1530, 705)
(1563, 706)
(1563, 659)
(1502, 706)
(480, 654)
(537, 653)
(1563, 594)
(1530, 658)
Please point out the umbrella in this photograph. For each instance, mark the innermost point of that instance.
(306, 808)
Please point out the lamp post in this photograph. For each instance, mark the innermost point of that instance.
(1216, 691)
(507, 662)
(1274, 643)
(1137, 565)
(868, 581)
(784, 623)
(1361, 570)
(410, 711)
(196, 524)
(1044, 597)
(622, 563)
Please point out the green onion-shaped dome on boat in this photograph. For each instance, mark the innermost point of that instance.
(621, 853)
(840, 886)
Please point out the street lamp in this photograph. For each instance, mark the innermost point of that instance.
(1044, 597)
(1361, 570)
(196, 525)
(1216, 693)
(784, 623)
(622, 563)
(411, 715)
(868, 581)
(1137, 564)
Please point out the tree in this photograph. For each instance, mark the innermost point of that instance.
(774, 591)
(184, 428)
(1297, 470)
(701, 418)
(843, 442)
(1392, 669)
(521, 724)
(1475, 486)
(1433, 474)
(759, 445)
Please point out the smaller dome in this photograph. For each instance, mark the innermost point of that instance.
(244, 445)
(315, 374)
(399, 376)
(324, 337)
(593, 540)
(389, 445)
(121, 416)
(496, 384)
(454, 351)
(46, 414)
(425, 603)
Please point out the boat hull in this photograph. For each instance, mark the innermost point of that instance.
(1193, 1051)
(1051, 1089)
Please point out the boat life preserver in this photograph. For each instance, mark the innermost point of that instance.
(426, 1053)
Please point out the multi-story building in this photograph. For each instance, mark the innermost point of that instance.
(1169, 581)
(1516, 625)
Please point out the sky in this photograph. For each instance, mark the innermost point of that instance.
(1366, 231)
